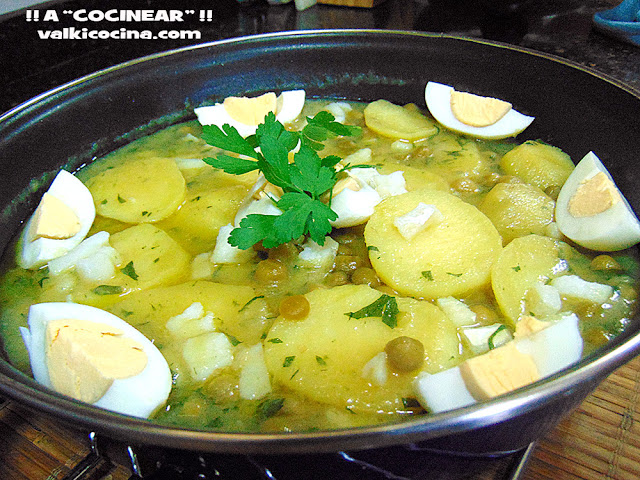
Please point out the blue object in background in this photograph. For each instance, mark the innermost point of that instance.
(622, 22)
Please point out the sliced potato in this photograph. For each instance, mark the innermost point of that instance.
(156, 258)
(394, 121)
(322, 356)
(521, 265)
(539, 164)
(130, 192)
(212, 201)
(416, 178)
(518, 209)
(452, 257)
(237, 310)
(453, 158)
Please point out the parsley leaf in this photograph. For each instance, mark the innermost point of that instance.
(304, 182)
(233, 165)
(322, 127)
(108, 290)
(129, 271)
(385, 307)
(228, 139)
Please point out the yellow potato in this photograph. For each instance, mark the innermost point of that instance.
(452, 257)
(212, 201)
(322, 356)
(237, 312)
(523, 263)
(453, 158)
(518, 209)
(390, 120)
(539, 164)
(416, 178)
(156, 257)
(142, 191)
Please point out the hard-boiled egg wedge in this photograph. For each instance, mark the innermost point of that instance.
(94, 356)
(592, 212)
(61, 221)
(551, 347)
(482, 117)
(246, 113)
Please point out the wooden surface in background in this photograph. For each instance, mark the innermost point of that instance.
(600, 440)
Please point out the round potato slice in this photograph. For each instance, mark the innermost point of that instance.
(143, 191)
(448, 257)
(416, 178)
(323, 356)
(518, 209)
(539, 164)
(523, 263)
(394, 121)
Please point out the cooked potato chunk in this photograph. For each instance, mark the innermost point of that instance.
(518, 209)
(212, 202)
(539, 164)
(523, 263)
(129, 192)
(237, 310)
(155, 257)
(323, 356)
(394, 121)
(451, 257)
(416, 178)
(452, 158)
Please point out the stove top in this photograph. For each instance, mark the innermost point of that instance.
(405, 462)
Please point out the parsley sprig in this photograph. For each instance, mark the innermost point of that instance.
(303, 181)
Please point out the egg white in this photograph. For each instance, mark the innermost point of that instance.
(438, 99)
(289, 105)
(73, 193)
(139, 395)
(614, 229)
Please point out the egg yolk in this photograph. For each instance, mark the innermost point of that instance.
(477, 111)
(53, 219)
(499, 371)
(84, 358)
(593, 196)
(250, 110)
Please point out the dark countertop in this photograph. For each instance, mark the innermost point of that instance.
(31, 65)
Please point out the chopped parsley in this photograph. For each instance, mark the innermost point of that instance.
(494, 335)
(130, 271)
(288, 361)
(303, 182)
(321, 361)
(268, 408)
(250, 302)
(108, 290)
(385, 307)
(428, 275)
(274, 340)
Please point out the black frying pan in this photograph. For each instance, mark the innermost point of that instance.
(575, 109)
